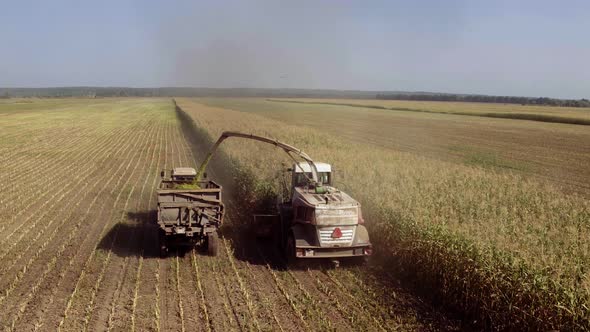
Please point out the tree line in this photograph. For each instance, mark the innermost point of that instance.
(97, 92)
(486, 99)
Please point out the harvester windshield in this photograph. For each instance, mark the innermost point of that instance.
(302, 172)
(301, 180)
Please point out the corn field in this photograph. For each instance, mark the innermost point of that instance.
(504, 249)
(78, 238)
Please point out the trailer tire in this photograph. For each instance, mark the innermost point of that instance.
(162, 244)
(212, 244)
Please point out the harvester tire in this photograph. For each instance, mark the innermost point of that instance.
(212, 244)
(361, 261)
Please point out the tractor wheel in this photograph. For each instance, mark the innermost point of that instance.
(212, 244)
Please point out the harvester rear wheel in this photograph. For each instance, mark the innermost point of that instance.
(212, 244)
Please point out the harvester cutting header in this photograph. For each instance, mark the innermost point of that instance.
(316, 220)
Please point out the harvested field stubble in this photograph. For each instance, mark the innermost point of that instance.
(506, 250)
(554, 114)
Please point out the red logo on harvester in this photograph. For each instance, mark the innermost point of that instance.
(337, 233)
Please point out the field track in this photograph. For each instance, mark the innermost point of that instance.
(77, 240)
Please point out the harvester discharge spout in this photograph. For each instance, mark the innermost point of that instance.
(286, 147)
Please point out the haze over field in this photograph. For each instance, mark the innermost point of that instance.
(531, 48)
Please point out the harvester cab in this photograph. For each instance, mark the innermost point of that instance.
(301, 172)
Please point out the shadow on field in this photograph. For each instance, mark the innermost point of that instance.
(138, 236)
(251, 249)
(134, 237)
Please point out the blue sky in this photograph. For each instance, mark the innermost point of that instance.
(532, 48)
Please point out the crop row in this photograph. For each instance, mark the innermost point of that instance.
(48, 239)
(34, 157)
(47, 208)
(32, 189)
(145, 236)
(57, 163)
(71, 235)
(82, 299)
(46, 274)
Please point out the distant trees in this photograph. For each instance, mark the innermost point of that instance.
(97, 92)
(485, 99)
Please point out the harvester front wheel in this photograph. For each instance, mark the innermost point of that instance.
(212, 244)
